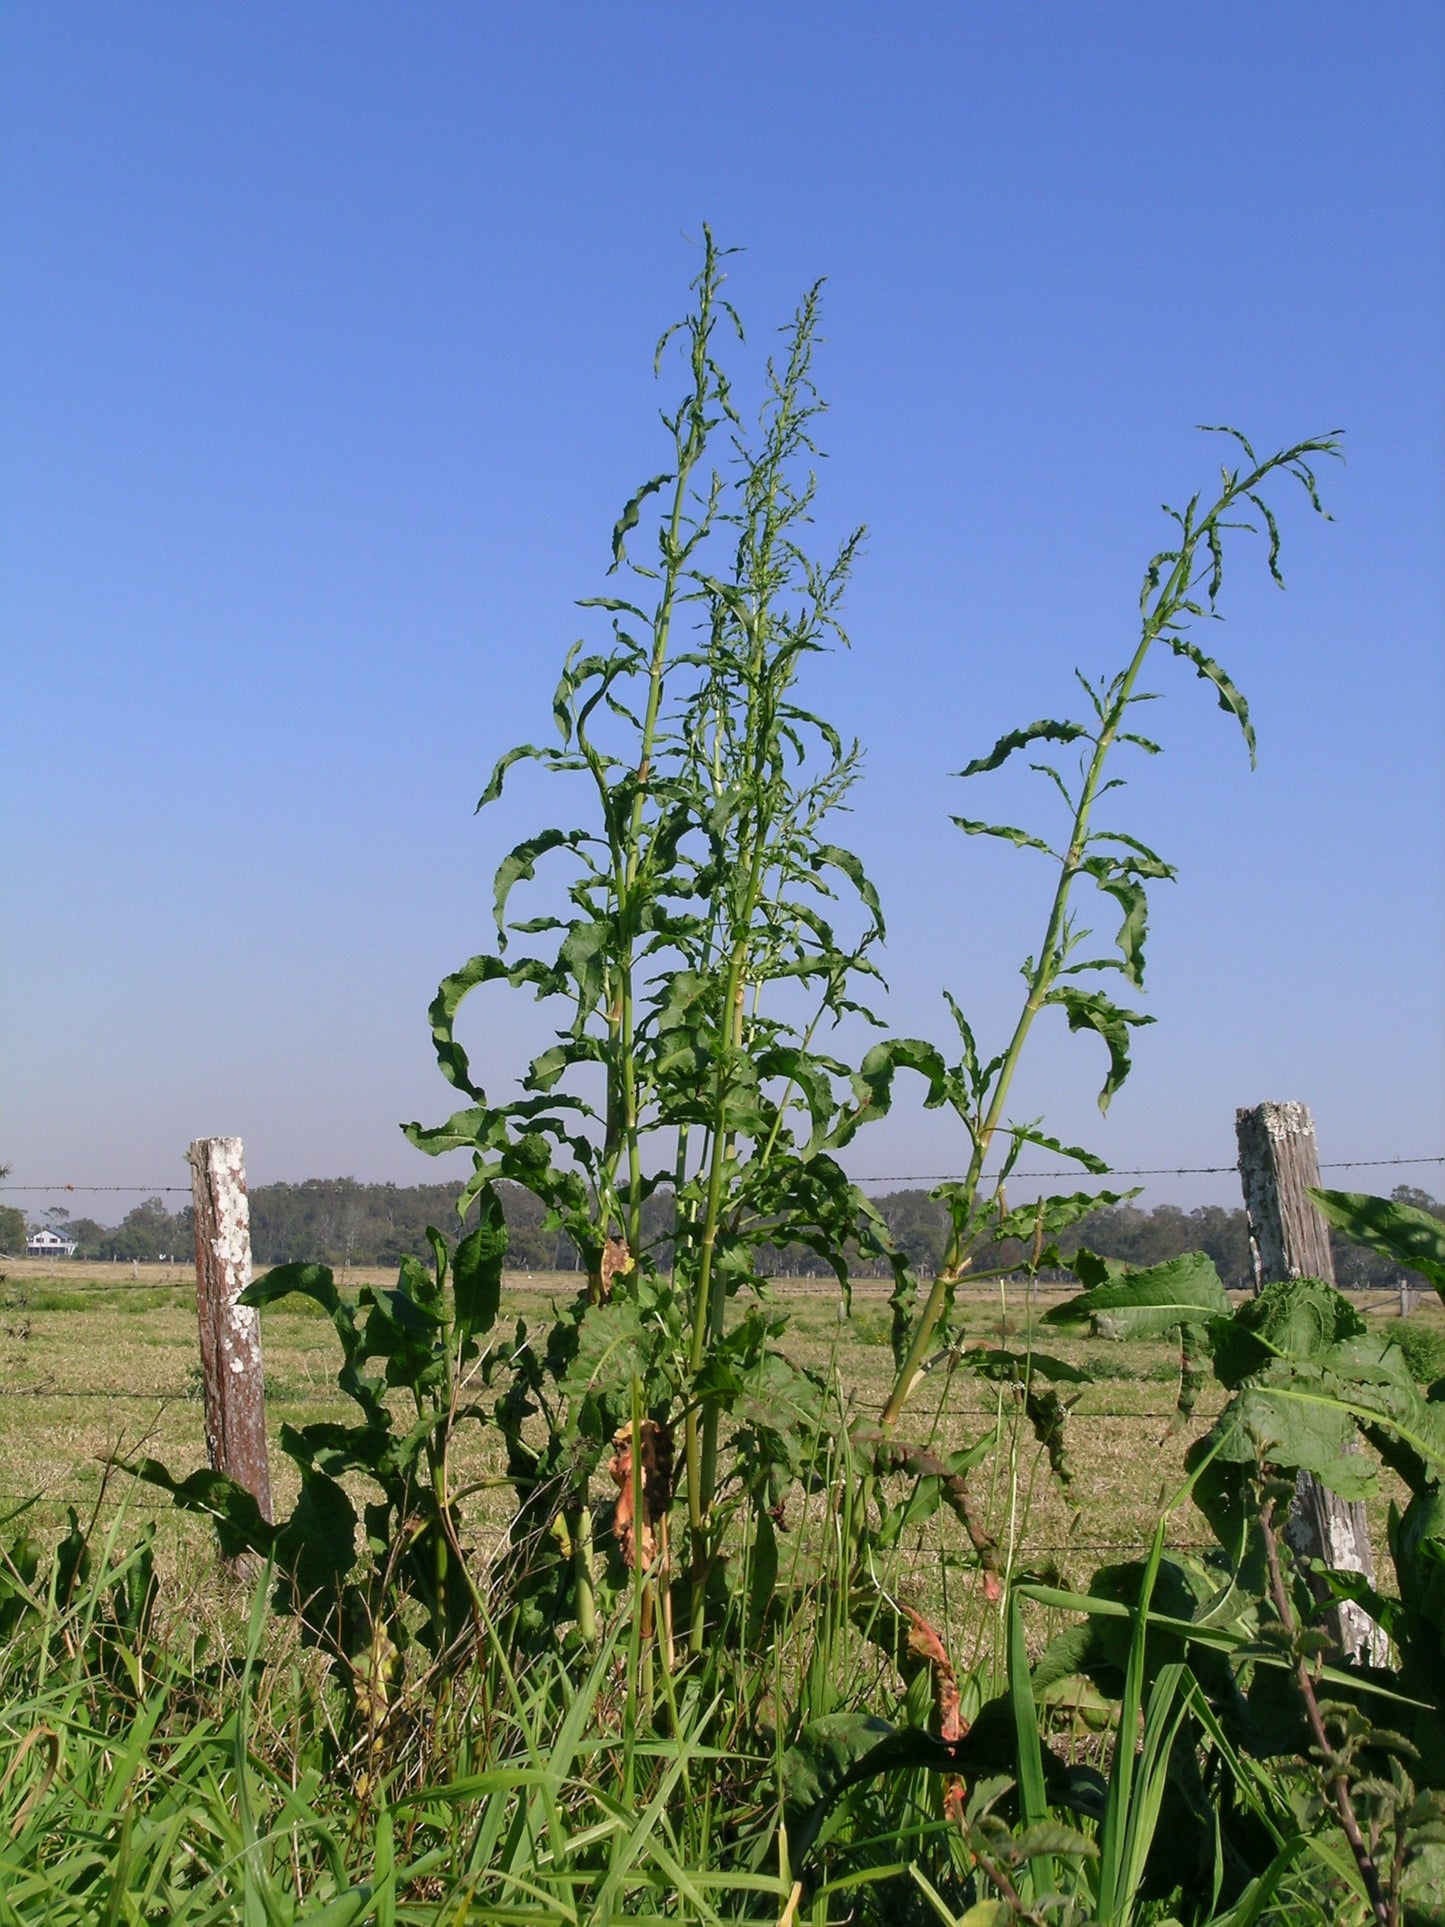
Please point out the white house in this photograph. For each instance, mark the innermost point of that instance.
(47, 1244)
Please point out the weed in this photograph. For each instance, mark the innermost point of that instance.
(666, 1689)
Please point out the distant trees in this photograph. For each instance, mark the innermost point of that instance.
(147, 1232)
(1146, 1238)
(339, 1221)
(12, 1225)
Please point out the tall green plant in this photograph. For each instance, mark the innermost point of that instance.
(692, 946)
(1181, 586)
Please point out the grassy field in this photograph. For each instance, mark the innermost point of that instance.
(218, 1773)
(102, 1361)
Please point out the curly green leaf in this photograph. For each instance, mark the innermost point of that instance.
(1092, 1010)
(1046, 730)
(1230, 698)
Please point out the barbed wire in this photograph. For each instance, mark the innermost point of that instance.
(1150, 1171)
(90, 1190)
(1025, 1548)
(282, 1395)
(906, 1177)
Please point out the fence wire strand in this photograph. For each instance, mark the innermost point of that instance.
(907, 1177)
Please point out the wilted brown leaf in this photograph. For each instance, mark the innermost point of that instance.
(925, 1640)
(655, 1439)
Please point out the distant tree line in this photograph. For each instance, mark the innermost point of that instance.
(339, 1221)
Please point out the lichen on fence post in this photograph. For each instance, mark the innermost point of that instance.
(235, 1386)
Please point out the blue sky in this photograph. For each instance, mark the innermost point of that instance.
(326, 346)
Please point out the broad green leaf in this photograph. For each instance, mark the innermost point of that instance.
(845, 1749)
(983, 1913)
(1412, 1237)
(308, 1281)
(1047, 1216)
(1014, 1367)
(238, 1521)
(813, 1078)
(524, 752)
(873, 1081)
(1422, 1344)
(336, 1449)
(316, 1549)
(1027, 1134)
(1149, 1304)
(463, 1130)
(1091, 1270)
(776, 1396)
(404, 1333)
(611, 1351)
(762, 1571)
(824, 1752)
(1132, 899)
(1150, 863)
(316, 1283)
(1303, 1407)
(1300, 1319)
(1052, 1837)
(615, 605)
(1300, 1422)
(582, 956)
(830, 856)
(481, 969)
(520, 866)
(477, 1268)
(1423, 1884)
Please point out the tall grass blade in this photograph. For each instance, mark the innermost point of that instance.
(1033, 1794)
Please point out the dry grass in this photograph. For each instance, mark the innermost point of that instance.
(102, 1360)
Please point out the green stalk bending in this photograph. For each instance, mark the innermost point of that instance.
(1041, 982)
(624, 1103)
(1167, 611)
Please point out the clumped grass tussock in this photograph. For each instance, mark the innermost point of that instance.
(151, 1771)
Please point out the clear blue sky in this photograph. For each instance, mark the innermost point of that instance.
(326, 360)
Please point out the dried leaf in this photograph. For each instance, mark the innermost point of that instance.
(925, 1640)
(616, 1260)
(656, 1442)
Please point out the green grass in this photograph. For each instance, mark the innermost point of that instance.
(92, 1367)
(201, 1768)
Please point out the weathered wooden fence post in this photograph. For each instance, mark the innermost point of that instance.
(235, 1386)
(1289, 1239)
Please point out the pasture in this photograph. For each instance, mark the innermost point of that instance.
(101, 1361)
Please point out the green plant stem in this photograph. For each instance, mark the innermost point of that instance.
(628, 859)
(1041, 982)
(629, 864)
(700, 1436)
(708, 1306)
